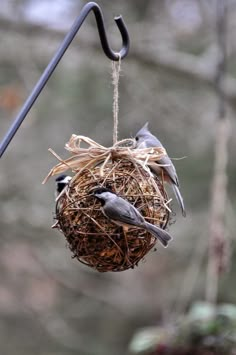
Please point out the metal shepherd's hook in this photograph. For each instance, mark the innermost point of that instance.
(58, 55)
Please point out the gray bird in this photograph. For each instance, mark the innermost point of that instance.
(145, 139)
(124, 214)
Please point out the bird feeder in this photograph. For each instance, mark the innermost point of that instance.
(92, 238)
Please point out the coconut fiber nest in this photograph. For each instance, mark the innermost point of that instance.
(92, 238)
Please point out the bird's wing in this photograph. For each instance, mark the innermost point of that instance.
(122, 211)
(169, 168)
(152, 141)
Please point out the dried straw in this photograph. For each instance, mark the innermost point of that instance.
(95, 154)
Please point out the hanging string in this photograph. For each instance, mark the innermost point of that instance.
(115, 81)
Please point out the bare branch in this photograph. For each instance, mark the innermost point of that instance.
(201, 69)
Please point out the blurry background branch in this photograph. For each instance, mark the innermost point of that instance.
(201, 68)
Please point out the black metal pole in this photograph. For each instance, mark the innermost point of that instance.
(59, 54)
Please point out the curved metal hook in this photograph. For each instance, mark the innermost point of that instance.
(102, 33)
(59, 54)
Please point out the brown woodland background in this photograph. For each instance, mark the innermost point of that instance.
(49, 303)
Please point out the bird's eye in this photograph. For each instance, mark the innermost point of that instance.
(136, 138)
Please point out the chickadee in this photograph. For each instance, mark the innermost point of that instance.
(122, 213)
(145, 139)
(61, 182)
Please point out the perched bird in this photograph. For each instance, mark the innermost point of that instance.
(61, 182)
(124, 214)
(145, 139)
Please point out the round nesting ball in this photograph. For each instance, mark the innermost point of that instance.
(93, 239)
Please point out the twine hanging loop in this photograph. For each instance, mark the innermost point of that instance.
(115, 81)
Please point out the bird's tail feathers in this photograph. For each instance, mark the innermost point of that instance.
(159, 233)
(179, 198)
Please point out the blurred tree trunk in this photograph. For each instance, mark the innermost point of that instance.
(218, 244)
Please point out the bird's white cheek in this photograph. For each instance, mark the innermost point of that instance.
(141, 145)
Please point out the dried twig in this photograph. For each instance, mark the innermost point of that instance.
(92, 238)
